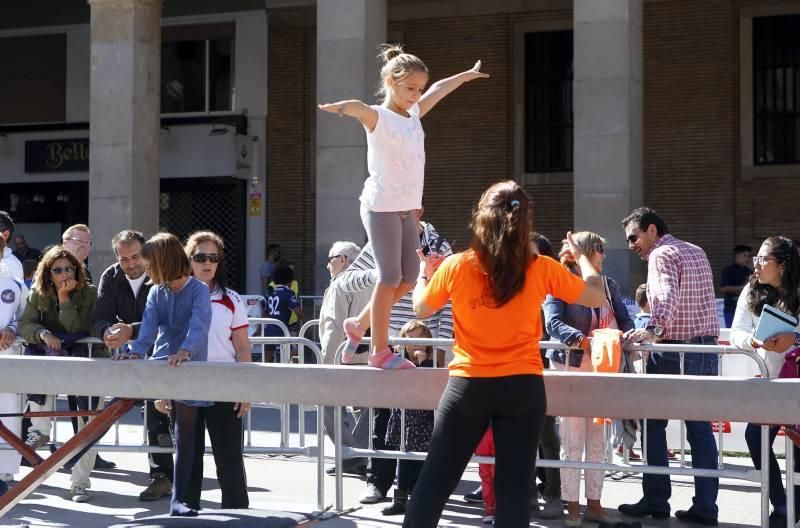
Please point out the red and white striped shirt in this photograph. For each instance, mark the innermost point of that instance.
(680, 289)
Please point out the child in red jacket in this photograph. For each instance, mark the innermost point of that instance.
(486, 472)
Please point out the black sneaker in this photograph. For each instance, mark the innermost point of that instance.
(100, 463)
(474, 497)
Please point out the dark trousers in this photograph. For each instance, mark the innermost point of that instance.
(225, 431)
(549, 448)
(408, 473)
(158, 424)
(777, 493)
(184, 420)
(657, 488)
(380, 471)
(515, 406)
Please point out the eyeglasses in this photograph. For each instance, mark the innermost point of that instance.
(79, 241)
(65, 269)
(205, 257)
(761, 260)
(333, 257)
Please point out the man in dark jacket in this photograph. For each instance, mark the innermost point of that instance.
(121, 299)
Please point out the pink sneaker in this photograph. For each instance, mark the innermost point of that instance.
(354, 334)
(386, 359)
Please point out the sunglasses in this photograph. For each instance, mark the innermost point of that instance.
(205, 257)
(633, 238)
(333, 257)
(65, 269)
(762, 261)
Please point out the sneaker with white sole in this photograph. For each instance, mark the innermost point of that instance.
(372, 496)
(488, 519)
(79, 493)
(37, 439)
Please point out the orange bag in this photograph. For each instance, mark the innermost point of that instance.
(606, 349)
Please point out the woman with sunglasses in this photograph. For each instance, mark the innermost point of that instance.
(175, 323)
(573, 324)
(775, 282)
(59, 312)
(227, 342)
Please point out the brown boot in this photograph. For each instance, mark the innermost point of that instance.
(159, 487)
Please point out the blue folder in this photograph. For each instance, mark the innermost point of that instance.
(772, 322)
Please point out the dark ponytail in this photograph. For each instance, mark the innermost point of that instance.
(501, 227)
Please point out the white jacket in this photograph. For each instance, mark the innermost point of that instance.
(742, 328)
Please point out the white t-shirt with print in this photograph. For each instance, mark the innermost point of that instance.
(228, 313)
(395, 161)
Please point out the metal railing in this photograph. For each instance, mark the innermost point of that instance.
(720, 472)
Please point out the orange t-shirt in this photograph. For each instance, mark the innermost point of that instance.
(492, 342)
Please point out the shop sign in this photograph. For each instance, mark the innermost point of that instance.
(58, 155)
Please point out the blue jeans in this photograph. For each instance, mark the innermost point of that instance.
(777, 493)
(658, 488)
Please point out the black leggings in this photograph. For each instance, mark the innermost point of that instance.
(515, 406)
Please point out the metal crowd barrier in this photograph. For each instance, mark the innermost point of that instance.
(284, 409)
(720, 472)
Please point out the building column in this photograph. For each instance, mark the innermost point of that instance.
(125, 114)
(348, 33)
(608, 171)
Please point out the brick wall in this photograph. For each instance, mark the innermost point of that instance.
(690, 65)
(691, 169)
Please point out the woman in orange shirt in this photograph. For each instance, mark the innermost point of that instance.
(497, 289)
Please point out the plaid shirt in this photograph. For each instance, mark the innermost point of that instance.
(680, 288)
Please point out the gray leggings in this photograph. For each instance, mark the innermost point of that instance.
(395, 241)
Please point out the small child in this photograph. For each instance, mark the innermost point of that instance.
(642, 319)
(418, 423)
(486, 472)
(281, 304)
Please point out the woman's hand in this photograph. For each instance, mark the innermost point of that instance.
(242, 409)
(430, 263)
(569, 248)
(475, 73)
(64, 288)
(51, 341)
(163, 406)
(7, 338)
(181, 356)
(779, 342)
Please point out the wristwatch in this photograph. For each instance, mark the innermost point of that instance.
(42, 333)
(658, 331)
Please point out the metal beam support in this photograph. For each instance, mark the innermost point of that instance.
(93, 431)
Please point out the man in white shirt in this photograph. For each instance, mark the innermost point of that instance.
(11, 262)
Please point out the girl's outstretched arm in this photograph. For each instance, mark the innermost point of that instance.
(443, 87)
(354, 108)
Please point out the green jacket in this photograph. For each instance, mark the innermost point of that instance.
(44, 312)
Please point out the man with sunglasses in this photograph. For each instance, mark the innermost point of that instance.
(680, 289)
(338, 305)
(121, 300)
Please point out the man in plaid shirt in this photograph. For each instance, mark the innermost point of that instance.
(680, 289)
